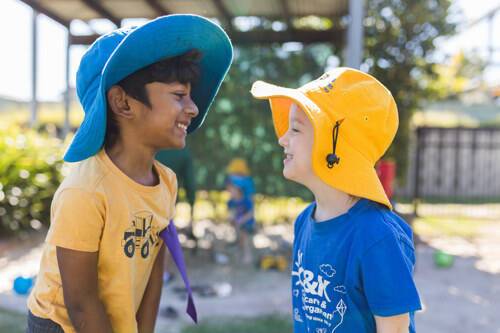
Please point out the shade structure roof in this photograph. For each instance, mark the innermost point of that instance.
(284, 18)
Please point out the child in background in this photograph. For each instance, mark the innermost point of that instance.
(238, 169)
(240, 186)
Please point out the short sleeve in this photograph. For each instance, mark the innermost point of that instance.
(173, 187)
(77, 221)
(387, 277)
(170, 179)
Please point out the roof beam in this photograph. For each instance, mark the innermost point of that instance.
(301, 36)
(99, 8)
(488, 15)
(47, 12)
(157, 7)
(259, 37)
(224, 12)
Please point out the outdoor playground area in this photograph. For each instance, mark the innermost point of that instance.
(463, 297)
(440, 61)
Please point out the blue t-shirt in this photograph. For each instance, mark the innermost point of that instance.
(241, 207)
(350, 268)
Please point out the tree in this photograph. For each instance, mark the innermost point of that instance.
(399, 44)
(240, 126)
(399, 51)
(463, 71)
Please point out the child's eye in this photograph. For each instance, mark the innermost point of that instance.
(295, 130)
(180, 95)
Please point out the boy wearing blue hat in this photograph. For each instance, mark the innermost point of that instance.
(142, 89)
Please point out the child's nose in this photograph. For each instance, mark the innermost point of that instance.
(191, 108)
(283, 141)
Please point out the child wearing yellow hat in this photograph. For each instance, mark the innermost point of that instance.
(239, 184)
(353, 257)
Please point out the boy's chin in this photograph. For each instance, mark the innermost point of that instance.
(298, 176)
(290, 174)
(174, 144)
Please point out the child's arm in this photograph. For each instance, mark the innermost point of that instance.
(245, 217)
(148, 310)
(249, 212)
(393, 324)
(387, 278)
(79, 280)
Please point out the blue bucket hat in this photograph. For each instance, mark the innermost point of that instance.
(122, 52)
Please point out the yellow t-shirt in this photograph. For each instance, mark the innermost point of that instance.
(99, 208)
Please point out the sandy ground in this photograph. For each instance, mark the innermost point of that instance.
(462, 298)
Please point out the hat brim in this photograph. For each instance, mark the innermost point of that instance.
(164, 37)
(280, 100)
(352, 166)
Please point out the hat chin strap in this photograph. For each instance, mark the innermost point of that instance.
(332, 159)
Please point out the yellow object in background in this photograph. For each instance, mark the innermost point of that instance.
(238, 166)
(278, 262)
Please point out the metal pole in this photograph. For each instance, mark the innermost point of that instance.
(67, 93)
(457, 150)
(34, 43)
(354, 54)
(418, 165)
(490, 37)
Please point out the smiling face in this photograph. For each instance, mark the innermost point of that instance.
(297, 143)
(153, 106)
(164, 124)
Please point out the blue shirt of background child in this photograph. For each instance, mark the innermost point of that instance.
(241, 207)
(350, 268)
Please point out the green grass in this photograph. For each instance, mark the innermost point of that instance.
(267, 324)
(48, 113)
(449, 227)
(12, 322)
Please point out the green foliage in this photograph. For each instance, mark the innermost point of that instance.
(458, 74)
(30, 171)
(240, 126)
(399, 46)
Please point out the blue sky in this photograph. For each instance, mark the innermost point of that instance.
(15, 38)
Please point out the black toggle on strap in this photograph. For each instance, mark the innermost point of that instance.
(332, 159)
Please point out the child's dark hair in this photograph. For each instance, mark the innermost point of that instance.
(183, 68)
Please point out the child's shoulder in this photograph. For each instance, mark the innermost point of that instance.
(165, 173)
(86, 175)
(376, 222)
(302, 217)
(167, 176)
(81, 184)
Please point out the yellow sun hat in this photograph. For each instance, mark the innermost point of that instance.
(355, 119)
(238, 166)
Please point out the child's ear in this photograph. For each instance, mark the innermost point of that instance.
(118, 101)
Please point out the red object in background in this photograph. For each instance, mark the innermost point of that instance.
(386, 170)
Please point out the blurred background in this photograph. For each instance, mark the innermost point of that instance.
(439, 58)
